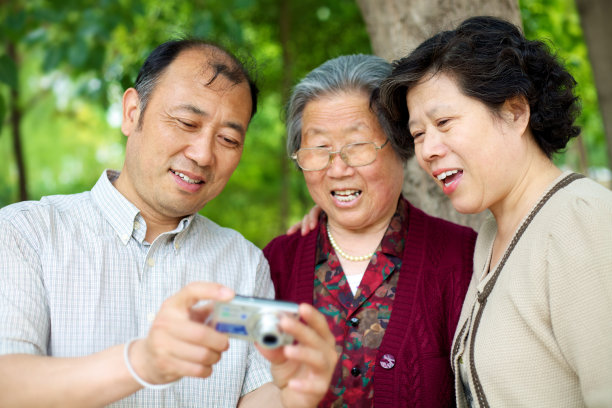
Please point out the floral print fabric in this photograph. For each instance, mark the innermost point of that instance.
(358, 321)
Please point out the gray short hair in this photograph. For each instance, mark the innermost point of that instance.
(356, 72)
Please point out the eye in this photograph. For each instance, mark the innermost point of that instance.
(442, 122)
(416, 133)
(229, 141)
(187, 124)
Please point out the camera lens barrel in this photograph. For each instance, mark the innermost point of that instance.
(266, 331)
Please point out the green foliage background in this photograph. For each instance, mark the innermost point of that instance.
(75, 58)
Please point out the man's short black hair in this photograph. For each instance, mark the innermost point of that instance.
(163, 55)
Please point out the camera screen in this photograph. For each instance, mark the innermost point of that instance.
(230, 328)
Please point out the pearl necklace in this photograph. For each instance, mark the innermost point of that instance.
(343, 254)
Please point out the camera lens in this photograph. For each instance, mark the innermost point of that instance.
(270, 340)
(266, 330)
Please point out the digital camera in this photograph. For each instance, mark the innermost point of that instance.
(252, 318)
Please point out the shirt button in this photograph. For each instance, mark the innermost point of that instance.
(176, 245)
(354, 321)
(151, 262)
(150, 317)
(136, 225)
(387, 361)
(355, 371)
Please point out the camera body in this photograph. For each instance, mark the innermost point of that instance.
(254, 319)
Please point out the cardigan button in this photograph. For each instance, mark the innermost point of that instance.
(355, 371)
(353, 321)
(387, 361)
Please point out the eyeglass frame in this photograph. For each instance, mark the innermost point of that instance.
(332, 153)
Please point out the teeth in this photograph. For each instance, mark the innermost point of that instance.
(346, 195)
(186, 179)
(444, 175)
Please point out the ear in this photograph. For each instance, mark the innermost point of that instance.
(517, 112)
(131, 111)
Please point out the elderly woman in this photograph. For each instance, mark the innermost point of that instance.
(487, 109)
(389, 278)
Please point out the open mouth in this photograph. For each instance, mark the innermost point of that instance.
(346, 195)
(185, 178)
(449, 176)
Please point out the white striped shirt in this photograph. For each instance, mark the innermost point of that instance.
(77, 277)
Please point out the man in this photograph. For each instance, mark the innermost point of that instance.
(97, 288)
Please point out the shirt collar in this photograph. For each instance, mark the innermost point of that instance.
(115, 208)
(123, 216)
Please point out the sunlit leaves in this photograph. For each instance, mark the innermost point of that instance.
(557, 23)
(95, 48)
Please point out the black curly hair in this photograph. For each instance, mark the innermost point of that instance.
(492, 61)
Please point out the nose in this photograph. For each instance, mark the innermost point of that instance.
(338, 167)
(201, 150)
(431, 147)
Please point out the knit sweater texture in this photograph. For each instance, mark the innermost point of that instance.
(544, 338)
(435, 272)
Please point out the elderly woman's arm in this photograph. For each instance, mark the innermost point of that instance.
(308, 223)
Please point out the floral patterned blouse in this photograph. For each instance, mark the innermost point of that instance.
(358, 321)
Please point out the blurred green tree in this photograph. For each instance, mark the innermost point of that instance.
(64, 65)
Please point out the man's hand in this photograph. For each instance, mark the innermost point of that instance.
(308, 223)
(178, 344)
(304, 370)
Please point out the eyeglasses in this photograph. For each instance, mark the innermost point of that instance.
(353, 154)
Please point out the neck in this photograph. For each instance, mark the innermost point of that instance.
(355, 246)
(156, 229)
(342, 254)
(523, 197)
(156, 225)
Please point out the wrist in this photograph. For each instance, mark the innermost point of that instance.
(139, 380)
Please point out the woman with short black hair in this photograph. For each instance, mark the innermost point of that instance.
(487, 109)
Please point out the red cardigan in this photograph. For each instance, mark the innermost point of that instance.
(435, 273)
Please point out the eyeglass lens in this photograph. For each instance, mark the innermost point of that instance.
(354, 155)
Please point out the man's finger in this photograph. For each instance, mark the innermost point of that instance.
(194, 292)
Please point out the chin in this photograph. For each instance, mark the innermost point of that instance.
(465, 208)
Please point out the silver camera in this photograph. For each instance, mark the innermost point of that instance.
(253, 319)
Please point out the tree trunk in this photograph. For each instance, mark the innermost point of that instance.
(15, 120)
(396, 27)
(595, 21)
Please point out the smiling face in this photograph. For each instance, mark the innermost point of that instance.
(476, 157)
(354, 198)
(190, 141)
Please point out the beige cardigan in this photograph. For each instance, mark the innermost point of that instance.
(544, 338)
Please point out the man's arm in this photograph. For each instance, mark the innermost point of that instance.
(308, 222)
(177, 345)
(268, 395)
(95, 380)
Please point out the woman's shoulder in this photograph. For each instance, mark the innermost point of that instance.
(574, 241)
(439, 228)
(288, 243)
(577, 224)
(446, 244)
(590, 191)
(582, 202)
